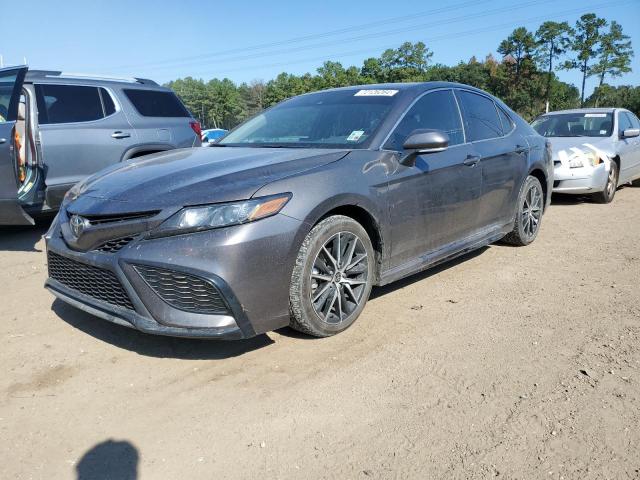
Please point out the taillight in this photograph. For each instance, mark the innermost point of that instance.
(195, 126)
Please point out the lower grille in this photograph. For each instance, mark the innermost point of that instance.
(92, 281)
(183, 291)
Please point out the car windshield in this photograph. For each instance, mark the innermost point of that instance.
(336, 119)
(574, 125)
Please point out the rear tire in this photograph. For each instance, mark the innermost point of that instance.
(606, 196)
(332, 277)
(529, 213)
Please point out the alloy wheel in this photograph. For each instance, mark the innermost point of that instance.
(611, 181)
(532, 211)
(339, 277)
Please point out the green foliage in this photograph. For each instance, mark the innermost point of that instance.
(625, 96)
(524, 78)
(584, 44)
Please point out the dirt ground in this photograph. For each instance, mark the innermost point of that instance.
(512, 362)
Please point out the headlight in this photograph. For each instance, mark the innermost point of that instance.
(584, 159)
(194, 219)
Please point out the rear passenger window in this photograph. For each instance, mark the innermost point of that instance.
(480, 116)
(438, 111)
(68, 104)
(152, 103)
(507, 123)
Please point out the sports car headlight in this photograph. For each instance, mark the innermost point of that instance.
(194, 219)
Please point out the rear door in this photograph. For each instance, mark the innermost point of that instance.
(82, 130)
(503, 157)
(11, 212)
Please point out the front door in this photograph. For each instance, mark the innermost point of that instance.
(432, 203)
(11, 212)
(628, 148)
(82, 130)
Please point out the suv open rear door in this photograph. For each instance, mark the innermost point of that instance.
(11, 212)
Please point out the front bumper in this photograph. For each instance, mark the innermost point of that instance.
(580, 180)
(249, 265)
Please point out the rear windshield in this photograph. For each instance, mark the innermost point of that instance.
(574, 125)
(152, 103)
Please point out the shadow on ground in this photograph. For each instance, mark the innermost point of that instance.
(109, 460)
(156, 345)
(23, 239)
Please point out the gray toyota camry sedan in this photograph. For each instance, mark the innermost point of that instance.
(298, 212)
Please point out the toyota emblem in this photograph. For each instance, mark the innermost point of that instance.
(78, 224)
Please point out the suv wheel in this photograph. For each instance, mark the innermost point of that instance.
(332, 278)
(606, 196)
(529, 214)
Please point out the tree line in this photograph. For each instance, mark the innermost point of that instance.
(524, 77)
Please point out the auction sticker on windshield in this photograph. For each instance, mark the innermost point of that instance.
(376, 93)
(355, 135)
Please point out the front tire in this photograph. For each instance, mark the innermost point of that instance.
(606, 196)
(332, 277)
(529, 213)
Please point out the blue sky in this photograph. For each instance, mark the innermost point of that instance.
(246, 40)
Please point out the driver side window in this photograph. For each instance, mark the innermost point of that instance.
(436, 110)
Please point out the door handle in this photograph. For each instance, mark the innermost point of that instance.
(120, 134)
(471, 160)
(520, 149)
(3, 140)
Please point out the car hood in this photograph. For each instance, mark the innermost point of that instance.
(564, 143)
(193, 176)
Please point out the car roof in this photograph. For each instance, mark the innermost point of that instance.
(56, 76)
(584, 110)
(417, 86)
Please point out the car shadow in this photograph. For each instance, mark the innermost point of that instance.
(377, 292)
(23, 239)
(564, 199)
(156, 345)
(109, 460)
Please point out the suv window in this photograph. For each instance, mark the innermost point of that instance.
(624, 122)
(435, 110)
(69, 104)
(152, 103)
(480, 116)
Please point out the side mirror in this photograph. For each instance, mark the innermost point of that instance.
(424, 142)
(631, 132)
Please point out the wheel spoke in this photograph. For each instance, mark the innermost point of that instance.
(355, 262)
(330, 257)
(324, 278)
(351, 250)
(333, 300)
(321, 292)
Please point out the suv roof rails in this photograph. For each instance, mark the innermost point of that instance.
(85, 76)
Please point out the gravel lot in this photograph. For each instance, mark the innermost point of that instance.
(512, 362)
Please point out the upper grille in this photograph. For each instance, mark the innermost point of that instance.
(102, 219)
(93, 281)
(113, 246)
(183, 291)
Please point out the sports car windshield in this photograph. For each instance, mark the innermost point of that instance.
(574, 125)
(337, 119)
